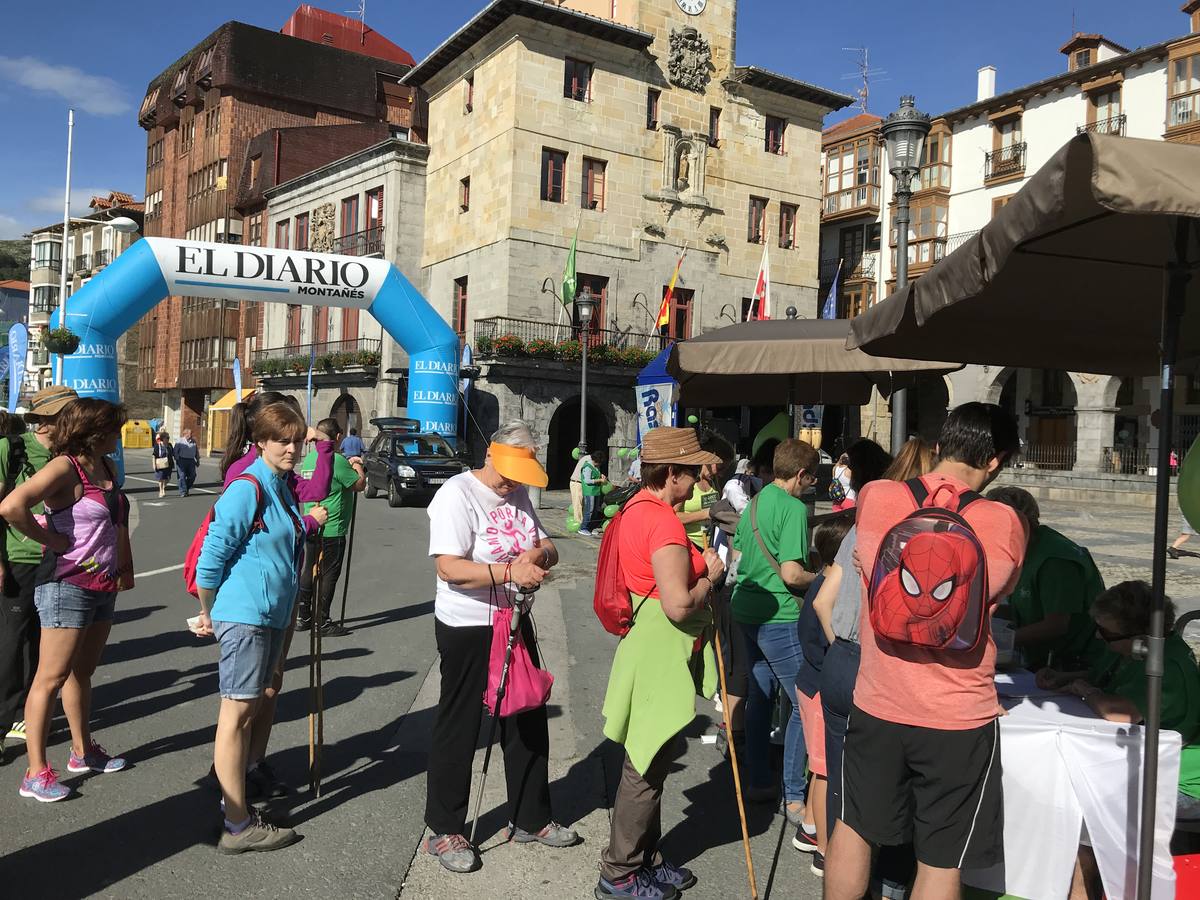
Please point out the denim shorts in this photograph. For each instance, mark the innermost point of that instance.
(249, 654)
(61, 604)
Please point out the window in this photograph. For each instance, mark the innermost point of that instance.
(747, 306)
(1104, 106)
(714, 125)
(757, 230)
(859, 297)
(1007, 158)
(998, 203)
(1184, 106)
(320, 325)
(212, 121)
(254, 229)
(294, 318)
(787, 225)
(154, 154)
(282, 229)
(255, 165)
(45, 298)
(152, 204)
(577, 80)
(776, 128)
(935, 161)
(464, 194)
(187, 135)
(927, 229)
(652, 98)
(374, 208)
(852, 175)
(554, 165)
(597, 285)
(1008, 133)
(349, 215)
(300, 242)
(1083, 58)
(350, 324)
(679, 327)
(851, 245)
(469, 94)
(47, 255)
(460, 306)
(591, 195)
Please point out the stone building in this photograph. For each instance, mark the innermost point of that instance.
(976, 158)
(632, 127)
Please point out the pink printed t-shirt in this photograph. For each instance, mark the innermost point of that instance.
(911, 685)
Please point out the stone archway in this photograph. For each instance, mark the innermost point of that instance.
(345, 410)
(564, 437)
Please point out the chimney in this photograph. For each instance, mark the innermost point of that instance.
(987, 83)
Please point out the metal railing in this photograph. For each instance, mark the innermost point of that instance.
(83, 263)
(102, 258)
(866, 266)
(1111, 125)
(322, 348)
(54, 265)
(1004, 162)
(368, 242)
(1059, 457)
(1128, 460)
(954, 241)
(527, 330)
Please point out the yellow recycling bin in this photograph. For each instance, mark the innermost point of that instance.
(136, 434)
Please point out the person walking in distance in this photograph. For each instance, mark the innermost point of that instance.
(187, 458)
(87, 560)
(327, 549)
(163, 455)
(922, 749)
(247, 579)
(21, 456)
(352, 445)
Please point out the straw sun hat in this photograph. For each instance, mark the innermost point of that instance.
(675, 445)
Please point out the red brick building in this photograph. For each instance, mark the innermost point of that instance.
(218, 117)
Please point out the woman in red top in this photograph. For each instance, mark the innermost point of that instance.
(651, 693)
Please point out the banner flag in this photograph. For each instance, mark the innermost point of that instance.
(18, 346)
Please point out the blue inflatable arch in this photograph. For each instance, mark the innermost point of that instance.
(155, 268)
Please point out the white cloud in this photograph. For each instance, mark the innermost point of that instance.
(51, 202)
(11, 228)
(96, 94)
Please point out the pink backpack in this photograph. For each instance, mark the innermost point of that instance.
(192, 559)
(929, 584)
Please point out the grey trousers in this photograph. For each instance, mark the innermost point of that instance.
(637, 815)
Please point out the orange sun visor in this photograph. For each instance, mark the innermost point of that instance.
(518, 464)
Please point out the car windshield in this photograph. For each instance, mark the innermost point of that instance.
(421, 445)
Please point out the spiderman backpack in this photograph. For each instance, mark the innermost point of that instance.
(929, 583)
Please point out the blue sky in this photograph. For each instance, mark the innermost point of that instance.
(99, 59)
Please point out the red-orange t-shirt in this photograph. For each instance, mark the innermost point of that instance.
(911, 685)
(648, 524)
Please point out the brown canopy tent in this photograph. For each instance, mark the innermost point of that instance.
(1089, 268)
(786, 361)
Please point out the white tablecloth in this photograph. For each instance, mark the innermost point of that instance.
(1065, 767)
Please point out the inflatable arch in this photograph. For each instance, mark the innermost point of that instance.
(155, 268)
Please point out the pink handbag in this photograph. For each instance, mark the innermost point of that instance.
(527, 687)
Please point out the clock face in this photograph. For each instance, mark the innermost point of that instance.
(692, 7)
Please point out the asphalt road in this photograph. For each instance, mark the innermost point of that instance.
(151, 831)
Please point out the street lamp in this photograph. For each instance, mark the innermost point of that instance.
(585, 305)
(904, 133)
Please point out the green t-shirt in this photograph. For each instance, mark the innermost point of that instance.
(589, 478)
(20, 548)
(1180, 701)
(344, 478)
(697, 532)
(760, 596)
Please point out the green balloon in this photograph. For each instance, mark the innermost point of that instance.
(611, 510)
(576, 453)
(622, 452)
(1189, 486)
(572, 524)
(606, 488)
(693, 420)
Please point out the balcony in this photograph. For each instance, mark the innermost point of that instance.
(368, 242)
(957, 240)
(102, 258)
(865, 268)
(360, 356)
(1005, 163)
(83, 263)
(862, 200)
(1111, 125)
(501, 337)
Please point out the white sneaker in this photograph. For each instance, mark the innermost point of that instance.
(17, 732)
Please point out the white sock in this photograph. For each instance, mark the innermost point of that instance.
(809, 829)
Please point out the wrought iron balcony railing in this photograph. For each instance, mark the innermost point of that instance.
(866, 267)
(531, 337)
(1111, 125)
(1005, 162)
(83, 263)
(359, 351)
(102, 258)
(368, 242)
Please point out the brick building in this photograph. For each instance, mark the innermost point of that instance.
(217, 120)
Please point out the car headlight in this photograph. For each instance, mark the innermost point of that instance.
(406, 471)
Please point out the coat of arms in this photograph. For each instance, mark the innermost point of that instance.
(689, 61)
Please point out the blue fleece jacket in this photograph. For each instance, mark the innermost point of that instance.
(253, 572)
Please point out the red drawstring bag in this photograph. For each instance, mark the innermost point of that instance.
(527, 687)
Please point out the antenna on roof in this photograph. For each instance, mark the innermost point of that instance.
(362, 19)
(865, 73)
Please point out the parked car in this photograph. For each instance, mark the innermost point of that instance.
(407, 464)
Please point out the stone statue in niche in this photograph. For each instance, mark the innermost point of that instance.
(321, 231)
(683, 167)
(689, 60)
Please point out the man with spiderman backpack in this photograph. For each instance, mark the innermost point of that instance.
(922, 753)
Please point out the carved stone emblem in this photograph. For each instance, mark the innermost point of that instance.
(321, 232)
(690, 59)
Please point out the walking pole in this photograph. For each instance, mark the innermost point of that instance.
(737, 779)
(349, 553)
(316, 693)
(522, 598)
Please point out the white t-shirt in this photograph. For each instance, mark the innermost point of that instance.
(468, 519)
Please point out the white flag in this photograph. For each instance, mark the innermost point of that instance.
(762, 288)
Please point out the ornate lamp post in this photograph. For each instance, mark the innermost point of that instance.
(585, 305)
(904, 133)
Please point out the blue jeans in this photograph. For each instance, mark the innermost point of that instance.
(187, 475)
(589, 512)
(773, 655)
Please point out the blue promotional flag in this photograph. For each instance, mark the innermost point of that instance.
(830, 309)
(18, 346)
(312, 361)
(237, 377)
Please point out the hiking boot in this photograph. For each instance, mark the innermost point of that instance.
(818, 864)
(676, 876)
(44, 786)
(17, 732)
(636, 884)
(553, 835)
(260, 836)
(330, 628)
(454, 852)
(803, 841)
(261, 781)
(95, 759)
(1173, 553)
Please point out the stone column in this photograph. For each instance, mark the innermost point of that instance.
(1095, 419)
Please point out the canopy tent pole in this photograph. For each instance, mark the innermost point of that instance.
(1178, 274)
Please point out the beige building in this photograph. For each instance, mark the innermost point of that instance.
(632, 125)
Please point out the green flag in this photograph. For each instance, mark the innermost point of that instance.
(568, 282)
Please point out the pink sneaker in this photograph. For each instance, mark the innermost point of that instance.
(96, 759)
(43, 786)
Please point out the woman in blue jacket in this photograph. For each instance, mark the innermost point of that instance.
(247, 578)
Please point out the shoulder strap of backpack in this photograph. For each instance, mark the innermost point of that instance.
(761, 543)
(917, 488)
(259, 501)
(966, 498)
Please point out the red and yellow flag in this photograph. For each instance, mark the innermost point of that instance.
(664, 311)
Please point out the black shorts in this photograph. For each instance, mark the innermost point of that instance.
(938, 788)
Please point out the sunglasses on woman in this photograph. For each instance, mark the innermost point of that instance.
(1111, 637)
